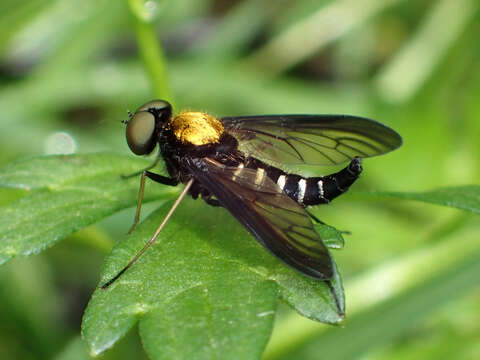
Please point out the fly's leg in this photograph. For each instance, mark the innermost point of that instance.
(213, 202)
(153, 238)
(155, 177)
(314, 218)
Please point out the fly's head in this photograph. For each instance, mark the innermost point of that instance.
(145, 125)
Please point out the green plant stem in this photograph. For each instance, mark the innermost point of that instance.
(151, 51)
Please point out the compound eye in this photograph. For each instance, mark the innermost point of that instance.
(155, 106)
(160, 108)
(141, 133)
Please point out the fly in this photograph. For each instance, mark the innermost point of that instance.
(240, 163)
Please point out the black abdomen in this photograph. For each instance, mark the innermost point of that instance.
(315, 190)
(321, 190)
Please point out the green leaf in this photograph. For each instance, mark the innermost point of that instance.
(383, 291)
(332, 237)
(200, 287)
(380, 324)
(201, 291)
(461, 197)
(65, 194)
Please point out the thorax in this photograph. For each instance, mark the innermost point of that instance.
(196, 128)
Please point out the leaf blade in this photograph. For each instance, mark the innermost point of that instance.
(185, 262)
(383, 322)
(66, 194)
(461, 197)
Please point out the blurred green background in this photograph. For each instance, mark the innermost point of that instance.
(69, 70)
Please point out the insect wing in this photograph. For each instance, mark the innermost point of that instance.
(310, 139)
(277, 222)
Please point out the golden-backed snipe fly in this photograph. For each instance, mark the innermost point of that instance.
(240, 162)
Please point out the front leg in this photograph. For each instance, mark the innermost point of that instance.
(157, 178)
(212, 202)
(314, 218)
(165, 180)
(208, 198)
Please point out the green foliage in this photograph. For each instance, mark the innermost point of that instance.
(386, 301)
(206, 289)
(65, 194)
(330, 236)
(196, 262)
(178, 289)
(464, 197)
(381, 323)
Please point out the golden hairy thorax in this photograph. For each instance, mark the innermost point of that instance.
(196, 128)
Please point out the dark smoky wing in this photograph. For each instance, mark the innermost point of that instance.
(311, 139)
(277, 222)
